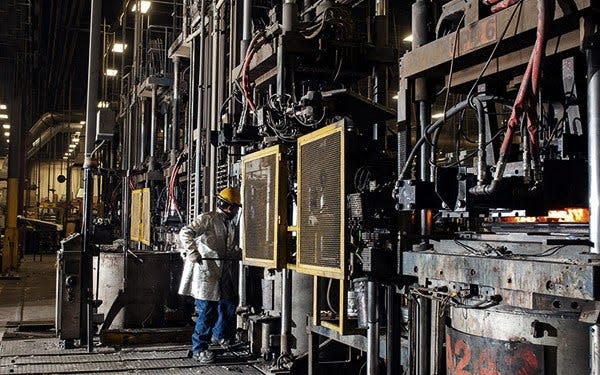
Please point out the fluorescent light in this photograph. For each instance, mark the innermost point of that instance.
(111, 72)
(145, 6)
(103, 104)
(6, 126)
(120, 47)
(7, 134)
(3, 116)
(81, 123)
(437, 115)
(408, 38)
(3, 107)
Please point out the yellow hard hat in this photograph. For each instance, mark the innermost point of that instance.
(230, 195)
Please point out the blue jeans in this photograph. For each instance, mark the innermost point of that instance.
(215, 319)
(225, 326)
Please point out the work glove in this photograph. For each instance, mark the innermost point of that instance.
(194, 256)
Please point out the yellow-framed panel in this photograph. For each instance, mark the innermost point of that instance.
(278, 258)
(330, 272)
(145, 217)
(136, 212)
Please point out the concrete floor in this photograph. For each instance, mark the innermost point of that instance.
(28, 344)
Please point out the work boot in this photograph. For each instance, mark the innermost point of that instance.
(205, 357)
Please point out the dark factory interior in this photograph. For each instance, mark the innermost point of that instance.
(369, 187)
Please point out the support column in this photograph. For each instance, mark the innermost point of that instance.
(86, 331)
(592, 54)
(372, 330)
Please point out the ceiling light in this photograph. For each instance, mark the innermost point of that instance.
(7, 134)
(7, 140)
(145, 5)
(6, 126)
(81, 123)
(65, 158)
(3, 107)
(120, 47)
(103, 104)
(437, 115)
(111, 72)
(71, 147)
(408, 38)
(395, 97)
(3, 116)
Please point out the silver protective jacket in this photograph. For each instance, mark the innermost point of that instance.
(213, 237)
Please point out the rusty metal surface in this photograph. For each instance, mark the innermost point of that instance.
(515, 59)
(476, 36)
(558, 279)
(564, 338)
(468, 354)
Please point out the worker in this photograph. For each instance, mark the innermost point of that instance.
(210, 248)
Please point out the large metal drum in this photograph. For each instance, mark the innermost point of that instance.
(302, 294)
(516, 341)
(151, 288)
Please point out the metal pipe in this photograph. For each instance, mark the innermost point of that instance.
(372, 329)
(143, 135)
(152, 128)
(481, 154)
(214, 109)
(289, 16)
(423, 347)
(88, 163)
(593, 115)
(392, 346)
(381, 7)
(286, 310)
(595, 349)
(246, 28)
(175, 116)
(199, 89)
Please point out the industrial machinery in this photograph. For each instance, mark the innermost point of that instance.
(456, 228)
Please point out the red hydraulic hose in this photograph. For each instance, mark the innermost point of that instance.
(529, 85)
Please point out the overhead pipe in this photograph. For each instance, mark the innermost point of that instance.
(50, 133)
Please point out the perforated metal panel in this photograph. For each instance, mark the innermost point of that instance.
(321, 204)
(136, 211)
(264, 208)
(145, 225)
(140, 216)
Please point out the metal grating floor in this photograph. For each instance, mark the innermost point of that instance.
(43, 356)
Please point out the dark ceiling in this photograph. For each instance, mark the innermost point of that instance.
(43, 56)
